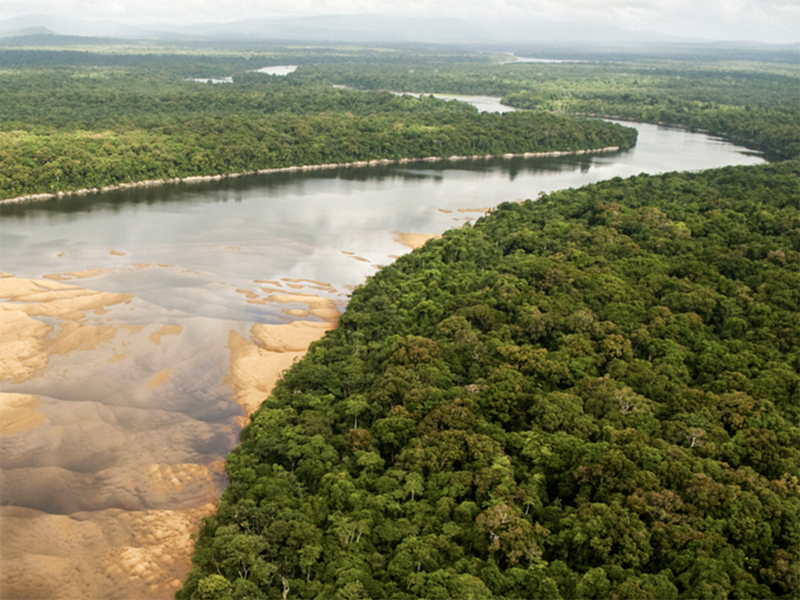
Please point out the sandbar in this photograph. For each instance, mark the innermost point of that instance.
(166, 330)
(26, 341)
(99, 554)
(18, 413)
(159, 379)
(258, 363)
(413, 240)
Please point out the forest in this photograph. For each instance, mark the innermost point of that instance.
(101, 120)
(591, 395)
(76, 119)
(748, 101)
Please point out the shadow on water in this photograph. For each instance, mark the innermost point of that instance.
(229, 189)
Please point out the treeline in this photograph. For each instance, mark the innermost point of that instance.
(84, 127)
(589, 396)
(68, 129)
(749, 101)
(59, 160)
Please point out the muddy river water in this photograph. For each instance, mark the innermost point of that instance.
(139, 328)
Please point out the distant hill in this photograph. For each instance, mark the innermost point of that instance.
(539, 38)
(340, 28)
(52, 24)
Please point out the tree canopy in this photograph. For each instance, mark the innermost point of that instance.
(105, 119)
(591, 395)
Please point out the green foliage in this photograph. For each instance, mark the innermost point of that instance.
(754, 102)
(91, 126)
(589, 396)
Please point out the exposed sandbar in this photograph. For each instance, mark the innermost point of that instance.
(166, 330)
(100, 554)
(18, 413)
(159, 379)
(413, 240)
(258, 363)
(311, 281)
(25, 340)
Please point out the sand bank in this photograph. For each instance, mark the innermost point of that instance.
(25, 340)
(413, 240)
(99, 554)
(166, 330)
(363, 163)
(258, 363)
(18, 413)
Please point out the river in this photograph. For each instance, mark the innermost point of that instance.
(141, 326)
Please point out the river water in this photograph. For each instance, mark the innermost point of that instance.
(140, 326)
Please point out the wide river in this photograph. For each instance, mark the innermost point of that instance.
(139, 328)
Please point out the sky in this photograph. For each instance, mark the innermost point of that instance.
(770, 21)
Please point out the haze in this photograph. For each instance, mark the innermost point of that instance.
(767, 21)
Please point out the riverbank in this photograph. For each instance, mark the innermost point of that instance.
(129, 534)
(327, 166)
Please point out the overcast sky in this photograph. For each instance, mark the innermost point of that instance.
(753, 20)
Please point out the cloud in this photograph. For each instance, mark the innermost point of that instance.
(762, 20)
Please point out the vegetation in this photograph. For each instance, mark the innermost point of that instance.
(130, 118)
(589, 396)
(745, 100)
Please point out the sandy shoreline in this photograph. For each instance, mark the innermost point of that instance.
(121, 525)
(363, 163)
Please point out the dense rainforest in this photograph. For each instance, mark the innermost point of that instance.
(122, 119)
(593, 395)
(102, 116)
(750, 101)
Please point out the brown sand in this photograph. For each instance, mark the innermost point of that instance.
(89, 273)
(18, 413)
(118, 253)
(322, 284)
(75, 337)
(258, 363)
(318, 306)
(22, 345)
(156, 336)
(114, 553)
(139, 554)
(119, 356)
(53, 299)
(86, 274)
(413, 240)
(25, 341)
(159, 379)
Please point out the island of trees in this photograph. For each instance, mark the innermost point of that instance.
(74, 120)
(96, 122)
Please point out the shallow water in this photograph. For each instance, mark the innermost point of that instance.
(128, 372)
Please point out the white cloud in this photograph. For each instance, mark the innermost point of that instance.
(765, 20)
